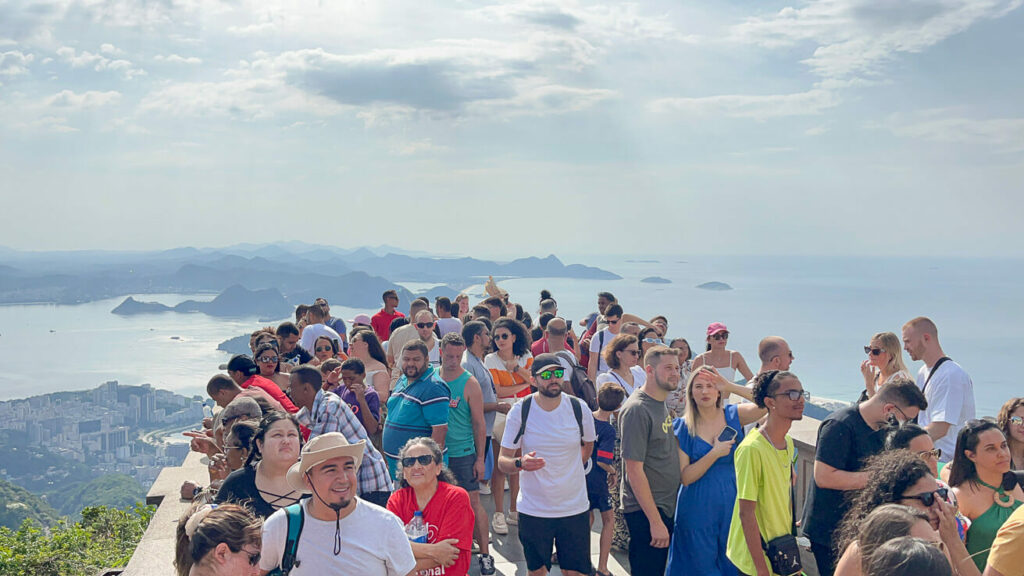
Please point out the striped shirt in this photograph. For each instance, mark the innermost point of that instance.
(331, 414)
(414, 409)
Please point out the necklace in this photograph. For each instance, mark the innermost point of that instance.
(999, 495)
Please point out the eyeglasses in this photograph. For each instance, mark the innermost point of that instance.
(613, 322)
(873, 351)
(549, 374)
(795, 395)
(933, 454)
(720, 336)
(503, 336)
(424, 460)
(324, 349)
(632, 352)
(653, 341)
(1017, 420)
(928, 498)
(424, 324)
(267, 359)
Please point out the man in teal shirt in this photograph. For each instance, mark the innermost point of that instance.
(418, 406)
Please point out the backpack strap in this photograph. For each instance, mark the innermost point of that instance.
(568, 358)
(296, 518)
(577, 411)
(522, 420)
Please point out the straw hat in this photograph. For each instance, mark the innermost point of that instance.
(320, 449)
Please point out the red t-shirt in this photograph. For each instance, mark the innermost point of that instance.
(448, 515)
(381, 323)
(541, 346)
(268, 386)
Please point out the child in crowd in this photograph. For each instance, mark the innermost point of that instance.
(600, 472)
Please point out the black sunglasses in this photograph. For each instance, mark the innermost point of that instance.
(424, 324)
(502, 336)
(324, 349)
(720, 336)
(928, 498)
(873, 351)
(424, 460)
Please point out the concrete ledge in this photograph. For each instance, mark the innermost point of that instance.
(154, 555)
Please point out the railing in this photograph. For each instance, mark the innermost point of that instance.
(154, 555)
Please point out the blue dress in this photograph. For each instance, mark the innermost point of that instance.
(704, 508)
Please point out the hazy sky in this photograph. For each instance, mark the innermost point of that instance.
(839, 126)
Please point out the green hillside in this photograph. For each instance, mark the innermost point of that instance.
(113, 490)
(17, 504)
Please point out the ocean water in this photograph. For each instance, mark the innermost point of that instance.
(827, 308)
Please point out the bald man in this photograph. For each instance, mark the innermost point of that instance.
(774, 353)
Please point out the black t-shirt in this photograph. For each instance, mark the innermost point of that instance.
(844, 441)
(240, 488)
(297, 356)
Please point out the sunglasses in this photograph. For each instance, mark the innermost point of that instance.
(324, 349)
(632, 352)
(653, 341)
(873, 351)
(720, 336)
(254, 559)
(226, 448)
(425, 460)
(503, 336)
(267, 359)
(930, 454)
(549, 374)
(424, 324)
(613, 322)
(795, 395)
(1017, 420)
(928, 498)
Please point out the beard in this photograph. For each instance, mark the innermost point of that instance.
(412, 372)
(550, 391)
(667, 384)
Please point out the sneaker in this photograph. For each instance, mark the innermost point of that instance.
(513, 518)
(475, 548)
(499, 525)
(486, 564)
(485, 488)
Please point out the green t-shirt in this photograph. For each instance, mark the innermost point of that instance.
(459, 439)
(763, 475)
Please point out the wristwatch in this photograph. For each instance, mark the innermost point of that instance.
(518, 463)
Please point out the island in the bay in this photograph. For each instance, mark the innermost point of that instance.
(714, 286)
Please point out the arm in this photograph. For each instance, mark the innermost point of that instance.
(638, 320)
(937, 430)
(592, 366)
(959, 558)
(507, 461)
(370, 423)
(693, 472)
(382, 384)
(749, 413)
(637, 479)
(742, 368)
(752, 535)
(826, 476)
(587, 450)
(443, 553)
(849, 562)
(476, 411)
(438, 433)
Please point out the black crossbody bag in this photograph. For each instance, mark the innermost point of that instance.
(783, 552)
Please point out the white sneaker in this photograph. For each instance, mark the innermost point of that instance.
(513, 518)
(499, 525)
(485, 488)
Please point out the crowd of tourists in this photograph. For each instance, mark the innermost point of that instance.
(367, 447)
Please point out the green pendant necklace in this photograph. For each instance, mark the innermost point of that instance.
(999, 495)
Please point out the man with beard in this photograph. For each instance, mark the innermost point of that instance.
(417, 407)
(374, 542)
(650, 454)
(556, 434)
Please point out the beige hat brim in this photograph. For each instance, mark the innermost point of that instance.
(311, 459)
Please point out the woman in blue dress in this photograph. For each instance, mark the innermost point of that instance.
(708, 494)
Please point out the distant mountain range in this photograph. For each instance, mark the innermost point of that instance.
(254, 279)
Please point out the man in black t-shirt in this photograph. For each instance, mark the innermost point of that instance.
(291, 352)
(845, 439)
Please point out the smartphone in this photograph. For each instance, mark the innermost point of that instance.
(568, 324)
(728, 434)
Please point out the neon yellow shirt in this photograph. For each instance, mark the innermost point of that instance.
(763, 475)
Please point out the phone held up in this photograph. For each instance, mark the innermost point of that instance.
(728, 434)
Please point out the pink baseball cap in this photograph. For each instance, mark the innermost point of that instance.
(716, 327)
(362, 319)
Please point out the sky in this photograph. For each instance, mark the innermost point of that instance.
(846, 127)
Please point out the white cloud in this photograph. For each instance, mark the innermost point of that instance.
(111, 50)
(251, 29)
(98, 62)
(69, 99)
(176, 59)
(410, 148)
(14, 63)
(758, 107)
(950, 126)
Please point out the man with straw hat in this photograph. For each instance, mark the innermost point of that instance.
(340, 533)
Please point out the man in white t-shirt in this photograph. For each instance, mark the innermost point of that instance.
(424, 323)
(341, 534)
(553, 510)
(445, 323)
(947, 387)
(316, 328)
(597, 365)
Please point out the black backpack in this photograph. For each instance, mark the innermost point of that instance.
(577, 411)
(582, 387)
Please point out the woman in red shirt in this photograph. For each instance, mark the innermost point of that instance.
(428, 487)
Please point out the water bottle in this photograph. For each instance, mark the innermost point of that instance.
(416, 529)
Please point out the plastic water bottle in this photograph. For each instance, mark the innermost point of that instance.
(416, 529)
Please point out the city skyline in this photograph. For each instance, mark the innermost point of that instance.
(844, 127)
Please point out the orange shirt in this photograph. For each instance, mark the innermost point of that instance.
(504, 380)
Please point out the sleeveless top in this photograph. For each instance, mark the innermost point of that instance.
(459, 439)
(983, 530)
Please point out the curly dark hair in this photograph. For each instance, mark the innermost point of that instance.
(890, 474)
(767, 383)
(522, 342)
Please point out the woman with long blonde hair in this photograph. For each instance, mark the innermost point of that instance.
(884, 363)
